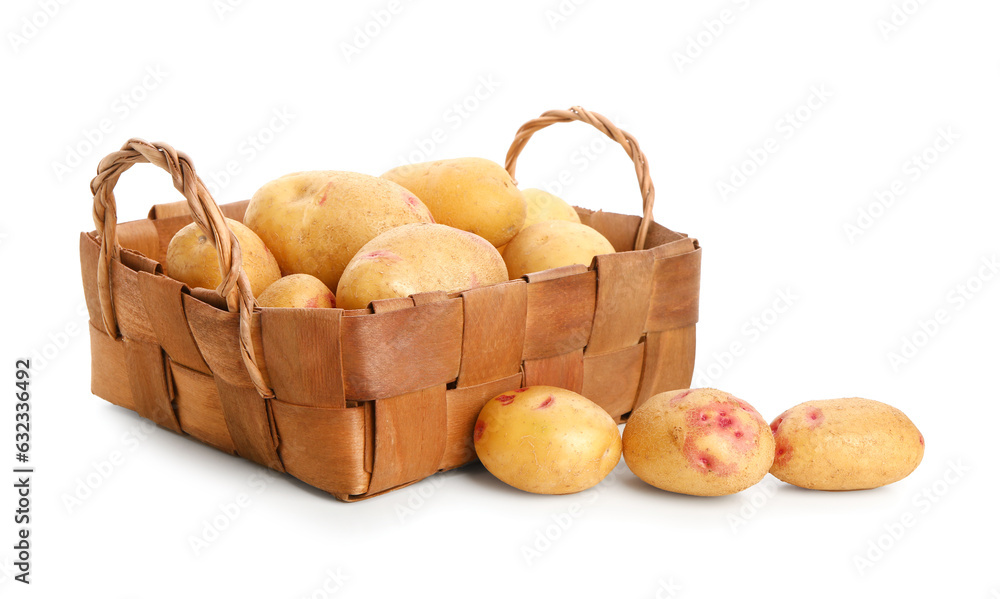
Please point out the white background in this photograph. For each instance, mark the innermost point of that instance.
(702, 94)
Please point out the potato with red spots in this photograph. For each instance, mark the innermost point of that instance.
(845, 445)
(547, 440)
(417, 258)
(315, 221)
(698, 442)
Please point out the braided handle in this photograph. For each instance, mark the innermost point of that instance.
(608, 128)
(235, 285)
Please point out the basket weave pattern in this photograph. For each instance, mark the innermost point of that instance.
(360, 402)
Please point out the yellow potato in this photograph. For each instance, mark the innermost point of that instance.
(547, 440)
(193, 260)
(316, 221)
(416, 258)
(297, 291)
(472, 194)
(543, 206)
(551, 244)
(698, 442)
(845, 444)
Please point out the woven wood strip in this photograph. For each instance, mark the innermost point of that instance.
(163, 297)
(139, 263)
(619, 229)
(464, 405)
(248, 419)
(624, 283)
(564, 371)
(141, 236)
(669, 362)
(493, 335)
(391, 304)
(233, 210)
(603, 124)
(410, 436)
(90, 249)
(215, 330)
(369, 414)
(235, 286)
(147, 378)
(675, 292)
(560, 315)
(199, 409)
(428, 297)
(426, 339)
(246, 412)
(555, 273)
(612, 380)
(108, 373)
(660, 237)
(323, 447)
(130, 311)
(669, 249)
(302, 350)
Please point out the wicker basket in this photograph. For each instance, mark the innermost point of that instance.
(360, 402)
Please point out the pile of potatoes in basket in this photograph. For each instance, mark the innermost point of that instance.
(323, 239)
(453, 225)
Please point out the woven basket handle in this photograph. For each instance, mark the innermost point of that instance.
(235, 285)
(608, 128)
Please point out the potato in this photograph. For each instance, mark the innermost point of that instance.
(472, 194)
(416, 258)
(844, 445)
(547, 440)
(543, 206)
(551, 244)
(698, 442)
(297, 291)
(193, 260)
(316, 221)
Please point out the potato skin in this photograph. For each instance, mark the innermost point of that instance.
(547, 440)
(297, 291)
(553, 243)
(194, 261)
(472, 194)
(845, 445)
(543, 206)
(416, 258)
(698, 442)
(315, 221)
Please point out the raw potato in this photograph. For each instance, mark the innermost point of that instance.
(547, 440)
(845, 445)
(551, 244)
(193, 260)
(543, 206)
(698, 442)
(297, 291)
(472, 194)
(316, 221)
(416, 258)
